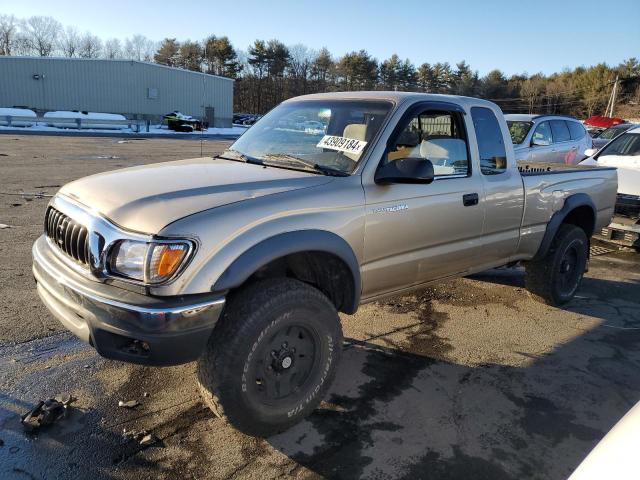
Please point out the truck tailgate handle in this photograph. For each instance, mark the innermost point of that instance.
(469, 199)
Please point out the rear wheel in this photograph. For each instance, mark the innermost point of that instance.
(272, 357)
(555, 278)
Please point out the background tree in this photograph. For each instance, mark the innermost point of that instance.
(321, 68)
(69, 42)
(190, 56)
(464, 81)
(357, 71)
(8, 34)
(112, 49)
(139, 48)
(41, 35)
(301, 60)
(168, 53)
(220, 58)
(269, 72)
(90, 46)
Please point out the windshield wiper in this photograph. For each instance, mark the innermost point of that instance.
(334, 172)
(237, 156)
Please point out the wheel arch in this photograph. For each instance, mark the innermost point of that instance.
(320, 258)
(578, 210)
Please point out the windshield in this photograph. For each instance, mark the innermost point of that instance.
(627, 144)
(325, 134)
(518, 130)
(612, 132)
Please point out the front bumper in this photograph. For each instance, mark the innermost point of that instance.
(125, 325)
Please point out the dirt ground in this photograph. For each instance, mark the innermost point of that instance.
(469, 378)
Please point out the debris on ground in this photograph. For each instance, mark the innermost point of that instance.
(4, 225)
(145, 394)
(47, 186)
(47, 412)
(128, 404)
(143, 437)
(148, 439)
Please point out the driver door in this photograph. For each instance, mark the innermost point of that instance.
(415, 233)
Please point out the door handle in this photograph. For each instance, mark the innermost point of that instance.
(469, 199)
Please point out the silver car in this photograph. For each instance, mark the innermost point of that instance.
(548, 138)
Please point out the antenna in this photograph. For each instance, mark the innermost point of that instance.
(203, 109)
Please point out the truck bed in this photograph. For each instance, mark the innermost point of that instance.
(547, 185)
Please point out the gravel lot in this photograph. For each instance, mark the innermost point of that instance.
(467, 379)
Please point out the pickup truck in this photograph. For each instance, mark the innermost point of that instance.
(241, 262)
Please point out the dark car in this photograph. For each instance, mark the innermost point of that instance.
(610, 133)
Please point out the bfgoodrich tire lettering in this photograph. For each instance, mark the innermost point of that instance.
(555, 278)
(272, 357)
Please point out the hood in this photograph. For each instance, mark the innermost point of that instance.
(149, 197)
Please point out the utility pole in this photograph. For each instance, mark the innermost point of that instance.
(612, 99)
(615, 94)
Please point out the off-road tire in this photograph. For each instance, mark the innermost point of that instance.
(555, 278)
(240, 349)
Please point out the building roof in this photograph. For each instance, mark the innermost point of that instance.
(107, 61)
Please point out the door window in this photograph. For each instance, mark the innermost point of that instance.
(576, 130)
(438, 136)
(560, 131)
(493, 155)
(543, 133)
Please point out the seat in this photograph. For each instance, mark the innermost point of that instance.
(443, 153)
(356, 131)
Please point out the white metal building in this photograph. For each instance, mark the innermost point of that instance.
(135, 89)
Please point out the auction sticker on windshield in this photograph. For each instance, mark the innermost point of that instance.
(342, 144)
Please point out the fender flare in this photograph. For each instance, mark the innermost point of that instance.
(285, 244)
(571, 203)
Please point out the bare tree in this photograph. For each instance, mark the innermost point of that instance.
(112, 49)
(90, 46)
(69, 42)
(139, 48)
(41, 34)
(8, 34)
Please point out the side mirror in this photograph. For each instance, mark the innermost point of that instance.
(405, 170)
(539, 142)
(590, 152)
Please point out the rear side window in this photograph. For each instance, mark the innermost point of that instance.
(493, 155)
(576, 130)
(560, 131)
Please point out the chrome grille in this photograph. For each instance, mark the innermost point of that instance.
(68, 235)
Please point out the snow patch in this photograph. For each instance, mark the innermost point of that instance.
(88, 120)
(17, 112)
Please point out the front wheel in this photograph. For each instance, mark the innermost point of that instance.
(555, 278)
(272, 357)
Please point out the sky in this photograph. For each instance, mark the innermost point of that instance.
(514, 36)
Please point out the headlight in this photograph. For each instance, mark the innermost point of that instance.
(152, 262)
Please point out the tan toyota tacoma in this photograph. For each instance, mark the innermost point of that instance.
(241, 262)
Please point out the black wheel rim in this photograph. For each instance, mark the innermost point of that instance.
(569, 271)
(283, 364)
